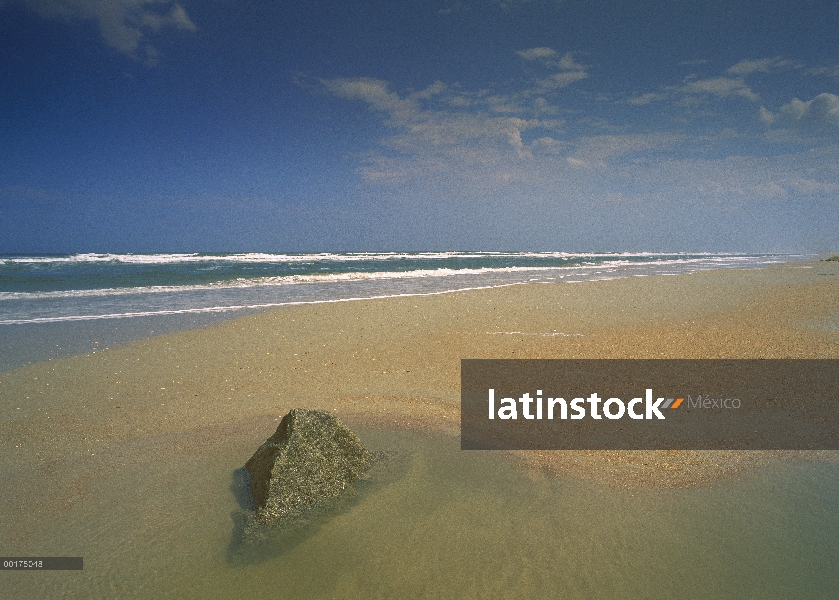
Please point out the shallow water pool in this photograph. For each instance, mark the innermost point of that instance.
(439, 522)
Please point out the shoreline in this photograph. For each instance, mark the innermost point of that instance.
(44, 331)
(394, 363)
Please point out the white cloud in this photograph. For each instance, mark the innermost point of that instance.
(719, 86)
(435, 89)
(501, 104)
(374, 92)
(480, 143)
(431, 132)
(808, 186)
(596, 151)
(732, 84)
(560, 80)
(568, 69)
(751, 178)
(829, 71)
(459, 6)
(124, 24)
(819, 114)
(644, 99)
(541, 107)
(547, 145)
(697, 91)
(763, 65)
(431, 137)
(444, 125)
(823, 110)
(568, 63)
(766, 115)
(460, 101)
(537, 53)
(548, 57)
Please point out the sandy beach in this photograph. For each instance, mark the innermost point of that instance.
(395, 362)
(82, 430)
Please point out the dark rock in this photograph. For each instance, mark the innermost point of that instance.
(312, 457)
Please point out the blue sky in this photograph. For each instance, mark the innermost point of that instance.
(149, 125)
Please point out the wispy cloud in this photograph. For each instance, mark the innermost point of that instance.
(600, 150)
(568, 70)
(720, 87)
(442, 125)
(456, 6)
(541, 53)
(124, 24)
(832, 71)
(735, 82)
(431, 131)
(762, 65)
(560, 80)
(643, 99)
(491, 143)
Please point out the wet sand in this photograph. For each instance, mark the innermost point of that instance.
(70, 425)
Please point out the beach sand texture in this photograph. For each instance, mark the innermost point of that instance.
(68, 426)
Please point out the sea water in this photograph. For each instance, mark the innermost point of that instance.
(439, 522)
(53, 306)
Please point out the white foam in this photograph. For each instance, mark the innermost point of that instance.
(268, 292)
(218, 309)
(240, 283)
(261, 257)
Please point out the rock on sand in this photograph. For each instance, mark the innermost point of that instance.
(310, 458)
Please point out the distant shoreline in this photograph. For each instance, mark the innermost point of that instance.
(46, 325)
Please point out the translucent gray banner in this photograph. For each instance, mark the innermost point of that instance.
(616, 404)
(42, 563)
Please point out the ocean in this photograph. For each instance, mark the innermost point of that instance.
(52, 306)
